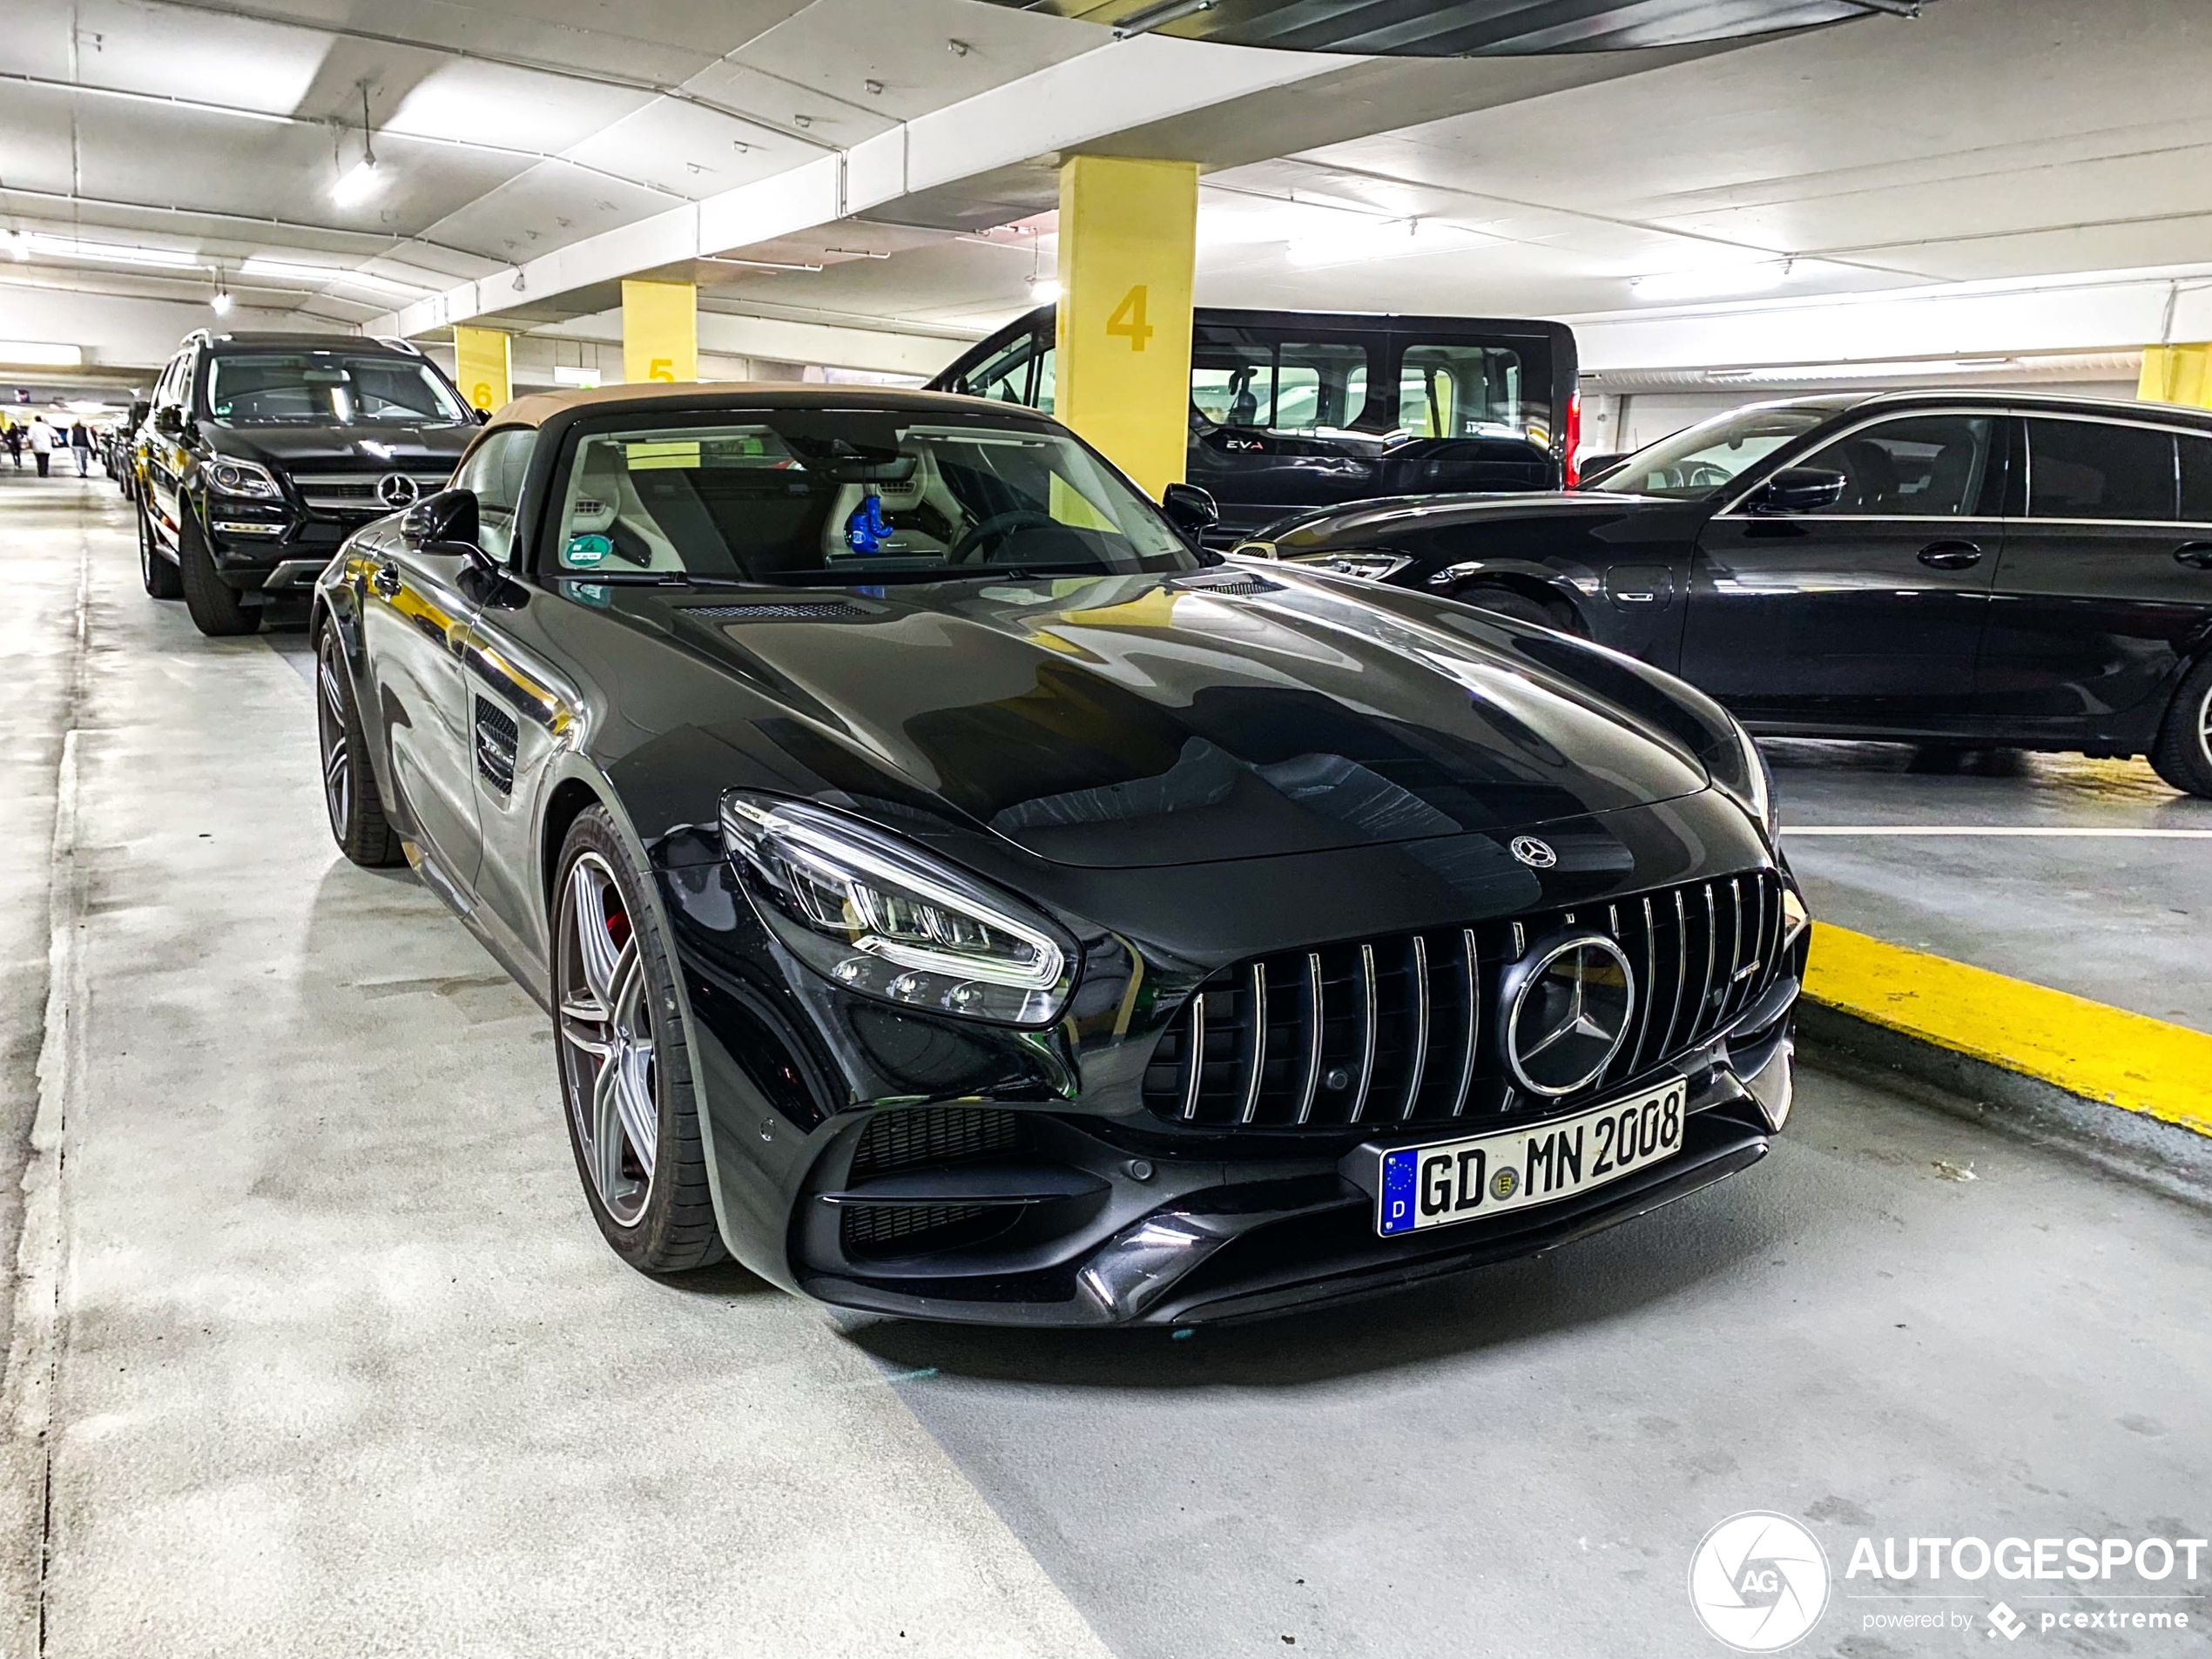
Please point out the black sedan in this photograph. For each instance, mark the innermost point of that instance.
(1953, 568)
(956, 895)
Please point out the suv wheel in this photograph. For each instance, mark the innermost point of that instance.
(357, 821)
(161, 577)
(1509, 602)
(216, 610)
(2182, 754)
(625, 1072)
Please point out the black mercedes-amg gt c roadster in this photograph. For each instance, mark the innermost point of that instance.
(957, 895)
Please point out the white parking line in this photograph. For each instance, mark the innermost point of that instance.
(1998, 829)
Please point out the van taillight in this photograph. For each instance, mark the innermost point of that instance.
(1573, 438)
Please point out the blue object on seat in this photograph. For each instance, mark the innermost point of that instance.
(865, 530)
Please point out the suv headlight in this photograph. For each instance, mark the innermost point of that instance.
(249, 479)
(881, 917)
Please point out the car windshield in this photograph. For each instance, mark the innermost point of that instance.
(850, 497)
(328, 388)
(1701, 460)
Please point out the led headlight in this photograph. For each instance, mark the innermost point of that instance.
(885, 918)
(1742, 771)
(228, 476)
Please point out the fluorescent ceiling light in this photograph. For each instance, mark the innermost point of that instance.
(1712, 281)
(1901, 368)
(37, 353)
(1360, 241)
(293, 270)
(1045, 292)
(757, 264)
(358, 182)
(1147, 18)
(65, 247)
(586, 379)
(222, 303)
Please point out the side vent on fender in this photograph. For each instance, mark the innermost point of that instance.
(495, 735)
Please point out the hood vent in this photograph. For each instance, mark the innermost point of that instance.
(780, 610)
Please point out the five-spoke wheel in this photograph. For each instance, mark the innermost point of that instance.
(607, 1046)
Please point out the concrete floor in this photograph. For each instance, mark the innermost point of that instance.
(2121, 919)
(322, 1355)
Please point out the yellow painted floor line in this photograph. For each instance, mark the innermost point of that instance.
(2127, 1060)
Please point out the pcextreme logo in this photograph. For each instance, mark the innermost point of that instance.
(1758, 1582)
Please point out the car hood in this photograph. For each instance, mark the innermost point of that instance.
(1128, 721)
(1378, 520)
(396, 448)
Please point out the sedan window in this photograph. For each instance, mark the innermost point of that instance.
(837, 496)
(1705, 459)
(2099, 470)
(1928, 466)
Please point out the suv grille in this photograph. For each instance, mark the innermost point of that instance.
(355, 492)
(1400, 1030)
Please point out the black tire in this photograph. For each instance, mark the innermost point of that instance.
(659, 1218)
(217, 610)
(356, 811)
(1522, 607)
(161, 578)
(2182, 754)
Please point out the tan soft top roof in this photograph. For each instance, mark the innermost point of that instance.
(538, 407)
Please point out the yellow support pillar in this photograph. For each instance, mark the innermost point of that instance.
(1128, 243)
(660, 331)
(484, 365)
(2178, 375)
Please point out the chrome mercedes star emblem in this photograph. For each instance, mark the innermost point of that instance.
(397, 490)
(1537, 855)
(1569, 1015)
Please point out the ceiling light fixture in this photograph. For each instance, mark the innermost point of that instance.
(1713, 281)
(360, 181)
(1898, 368)
(1147, 18)
(1045, 291)
(39, 353)
(67, 247)
(220, 301)
(293, 270)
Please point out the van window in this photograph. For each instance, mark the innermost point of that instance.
(1463, 391)
(2099, 470)
(1021, 373)
(1243, 377)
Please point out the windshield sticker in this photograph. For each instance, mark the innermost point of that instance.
(588, 549)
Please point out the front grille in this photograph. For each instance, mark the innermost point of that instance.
(355, 492)
(921, 1135)
(1399, 1029)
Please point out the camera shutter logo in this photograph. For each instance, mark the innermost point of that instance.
(397, 490)
(1758, 1582)
(1537, 855)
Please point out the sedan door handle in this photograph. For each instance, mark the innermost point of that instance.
(386, 579)
(2197, 555)
(1950, 556)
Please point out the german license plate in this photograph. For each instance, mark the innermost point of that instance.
(1447, 1182)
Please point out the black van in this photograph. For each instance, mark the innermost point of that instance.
(1290, 410)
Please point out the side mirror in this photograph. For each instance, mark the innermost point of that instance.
(482, 415)
(139, 410)
(1590, 467)
(1799, 489)
(169, 421)
(1189, 508)
(445, 524)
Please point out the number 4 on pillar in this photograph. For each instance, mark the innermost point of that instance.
(1128, 321)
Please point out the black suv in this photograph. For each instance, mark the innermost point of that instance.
(262, 452)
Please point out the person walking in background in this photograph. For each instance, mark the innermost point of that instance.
(80, 445)
(15, 444)
(42, 443)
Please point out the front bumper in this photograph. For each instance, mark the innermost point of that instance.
(1203, 1241)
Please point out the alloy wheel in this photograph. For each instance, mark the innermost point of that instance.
(331, 726)
(2204, 725)
(607, 1040)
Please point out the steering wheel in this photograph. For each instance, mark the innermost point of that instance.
(996, 528)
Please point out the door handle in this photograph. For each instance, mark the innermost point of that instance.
(1950, 556)
(2197, 555)
(387, 580)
